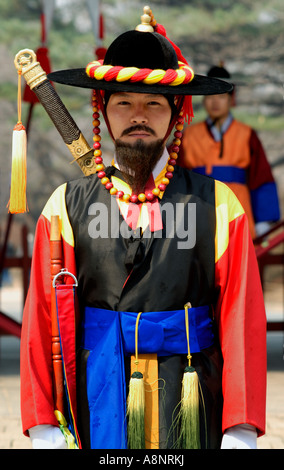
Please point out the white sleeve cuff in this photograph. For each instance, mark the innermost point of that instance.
(243, 436)
(46, 436)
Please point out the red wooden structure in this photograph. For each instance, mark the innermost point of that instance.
(9, 326)
(266, 256)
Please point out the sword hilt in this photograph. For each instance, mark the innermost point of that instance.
(36, 78)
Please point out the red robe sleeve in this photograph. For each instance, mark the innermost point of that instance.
(259, 171)
(37, 405)
(240, 315)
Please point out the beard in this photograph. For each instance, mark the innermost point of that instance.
(137, 161)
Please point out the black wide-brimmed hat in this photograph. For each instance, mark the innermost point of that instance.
(133, 54)
(219, 71)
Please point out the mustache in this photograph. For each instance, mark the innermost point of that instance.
(138, 127)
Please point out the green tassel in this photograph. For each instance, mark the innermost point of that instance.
(186, 423)
(136, 412)
(189, 410)
(188, 416)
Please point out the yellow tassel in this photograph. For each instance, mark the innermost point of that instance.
(18, 201)
(136, 404)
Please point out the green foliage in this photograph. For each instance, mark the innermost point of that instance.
(7, 91)
(30, 9)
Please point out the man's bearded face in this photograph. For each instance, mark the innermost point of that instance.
(138, 160)
(139, 123)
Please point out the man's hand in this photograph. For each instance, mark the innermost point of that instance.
(46, 436)
(242, 436)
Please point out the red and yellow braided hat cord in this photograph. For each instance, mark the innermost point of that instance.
(183, 75)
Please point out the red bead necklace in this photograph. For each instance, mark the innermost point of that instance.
(100, 168)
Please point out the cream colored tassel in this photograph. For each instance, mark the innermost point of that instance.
(18, 202)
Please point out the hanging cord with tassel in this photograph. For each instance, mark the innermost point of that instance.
(18, 201)
(136, 403)
(189, 412)
(158, 28)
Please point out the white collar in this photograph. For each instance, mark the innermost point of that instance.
(215, 131)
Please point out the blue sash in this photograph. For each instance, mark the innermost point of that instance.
(227, 174)
(110, 335)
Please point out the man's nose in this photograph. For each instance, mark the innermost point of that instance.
(139, 115)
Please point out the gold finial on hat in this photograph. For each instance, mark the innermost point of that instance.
(146, 21)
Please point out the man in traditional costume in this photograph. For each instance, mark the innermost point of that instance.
(168, 283)
(230, 151)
